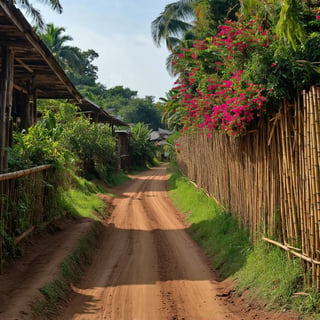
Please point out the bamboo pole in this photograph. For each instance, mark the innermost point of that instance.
(316, 180)
(286, 248)
(17, 174)
(23, 235)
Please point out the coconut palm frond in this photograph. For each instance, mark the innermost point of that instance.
(174, 21)
(54, 4)
(30, 11)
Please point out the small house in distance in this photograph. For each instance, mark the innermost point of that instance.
(160, 139)
(159, 136)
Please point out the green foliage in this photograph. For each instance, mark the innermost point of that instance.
(172, 23)
(33, 12)
(40, 145)
(170, 147)
(211, 13)
(289, 26)
(35, 201)
(142, 110)
(143, 148)
(65, 141)
(124, 103)
(117, 179)
(78, 64)
(81, 201)
(94, 146)
(80, 204)
(273, 50)
(55, 39)
(91, 144)
(86, 73)
(173, 111)
(270, 265)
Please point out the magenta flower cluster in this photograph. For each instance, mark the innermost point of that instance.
(212, 84)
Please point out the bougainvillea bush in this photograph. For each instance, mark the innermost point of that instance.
(228, 81)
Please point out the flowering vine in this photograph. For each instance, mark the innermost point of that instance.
(213, 85)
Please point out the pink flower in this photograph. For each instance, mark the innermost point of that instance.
(273, 65)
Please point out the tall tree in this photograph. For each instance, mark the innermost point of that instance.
(69, 57)
(86, 72)
(35, 14)
(142, 110)
(184, 18)
(184, 21)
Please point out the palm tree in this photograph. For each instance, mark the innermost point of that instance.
(173, 111)
(35, 14)
(69, 57)
(184, 21)
(199, 17)
(172, 23)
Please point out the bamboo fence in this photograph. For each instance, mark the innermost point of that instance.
(269, 179)
(23, 198)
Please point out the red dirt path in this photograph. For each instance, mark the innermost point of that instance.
(146, 267)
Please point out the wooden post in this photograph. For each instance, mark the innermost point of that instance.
(34, 104)
(26, 112)
(6, 91)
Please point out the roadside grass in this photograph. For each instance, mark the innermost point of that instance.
(81, 201)
(117, 179)
(265, 270)
(270, 275)
(211, 226)
(55, 293)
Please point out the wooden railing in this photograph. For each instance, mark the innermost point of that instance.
(23, 199)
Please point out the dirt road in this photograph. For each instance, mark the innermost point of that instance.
(147, 267)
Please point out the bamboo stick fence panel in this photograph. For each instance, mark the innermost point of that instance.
(269, 179)
(23, 198)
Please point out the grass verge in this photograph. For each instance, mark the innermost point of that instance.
(57, 291)
(211, 226)
(265, 270)
(81, 201)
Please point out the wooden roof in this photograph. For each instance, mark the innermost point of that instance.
(33, 63)
(98, 113)
(35, 66)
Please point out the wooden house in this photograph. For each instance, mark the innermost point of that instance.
(29, 71)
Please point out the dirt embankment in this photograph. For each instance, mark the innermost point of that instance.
(147, 267)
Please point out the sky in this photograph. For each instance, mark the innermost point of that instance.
(120, 32)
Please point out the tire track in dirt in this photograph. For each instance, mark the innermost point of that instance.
(146, 267)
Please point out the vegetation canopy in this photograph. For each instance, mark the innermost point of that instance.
(239, 69)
